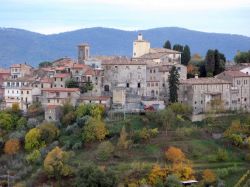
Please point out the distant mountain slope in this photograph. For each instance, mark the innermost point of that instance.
(19, 46)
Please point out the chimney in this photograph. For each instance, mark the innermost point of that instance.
(196, 76)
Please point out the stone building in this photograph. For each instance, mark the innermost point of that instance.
(204, 94)
(59, 96)
(20, 70)
(239, 90)
(122, 72)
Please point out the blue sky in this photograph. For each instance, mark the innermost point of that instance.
(54, 16)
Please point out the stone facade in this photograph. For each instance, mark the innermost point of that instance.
(239, 90)
(201, 93)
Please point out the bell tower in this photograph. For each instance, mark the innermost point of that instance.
(83, 53)
(140, 46)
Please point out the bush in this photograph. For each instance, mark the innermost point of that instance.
(105, 150)
(172, 181)
(21, 123)
(34, 157)
(222, 155)
(92, 176)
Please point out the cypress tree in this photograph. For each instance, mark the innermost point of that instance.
(209, 62)
(186, 56)
(167, 45)
(173, 80)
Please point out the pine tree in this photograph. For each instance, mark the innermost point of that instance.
(167, 45)
(186, 56)
(173, 80)
(216, 62)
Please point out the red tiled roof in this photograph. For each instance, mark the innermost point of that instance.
(15, 66)
(234, 74)
(4, 71)
(79, 66)
(52, 106)
(98, 98)
(61, 75)
(46, 80)
(61, 89)
(90, 72)
(204, 80)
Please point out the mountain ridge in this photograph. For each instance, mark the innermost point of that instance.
(19, 45)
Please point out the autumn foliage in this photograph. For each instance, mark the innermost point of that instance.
(12, 146)
(174, 155)
(157, 173)
(209, 176)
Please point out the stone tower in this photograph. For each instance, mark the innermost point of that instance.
(140, 46)
(83, 53)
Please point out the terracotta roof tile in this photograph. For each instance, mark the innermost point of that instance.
(61, 89)
(204, 80)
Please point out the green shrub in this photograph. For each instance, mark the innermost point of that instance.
(105, 150)
(222, 155)
(33, 157)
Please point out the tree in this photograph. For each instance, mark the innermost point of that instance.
(157, 173)
(175, 155)
(172, 181)
(210, 62)
(92, 176)
(242, 57)
(94, 130)
(6, 121)
(168, 118)
(71, 83)
(35, 109)
(12, 146)
(15, 108)
(49, 132)
(33, 140)
(69, 118)
(21, 123)
(86, 87)
(123, 142)
(105, 150)
(56, 164)
(167, 45)
(94, 110)
(45, 64)
(186, 55)
(173, 81)
(178, 47)
(183, 170)
(209, 176)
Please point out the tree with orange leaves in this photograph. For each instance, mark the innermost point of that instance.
(209, 176)
(175, 155)
(12, 146)
(157, 173)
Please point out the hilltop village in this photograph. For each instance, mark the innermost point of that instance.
(130, 84)
(107, 121)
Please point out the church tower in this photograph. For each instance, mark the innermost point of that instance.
(83, 53)
(140, 46)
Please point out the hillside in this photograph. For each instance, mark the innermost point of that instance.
(19, 46)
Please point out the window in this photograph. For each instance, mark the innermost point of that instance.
(152, 84)
(28, 92)
(57, 94)
(42, 85)
(163, 85)
(69, 94)
(61, 79)
(238, 82)
(48, 100)
(201, 102)
(156, 84)
(127, 85)
(150, 71)
(195, 102)
(238, 99)
(139, 85)
(139, 67)
(55, 79)
(57, 100)
(21, 92)
(245, 99)
(245, 81)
